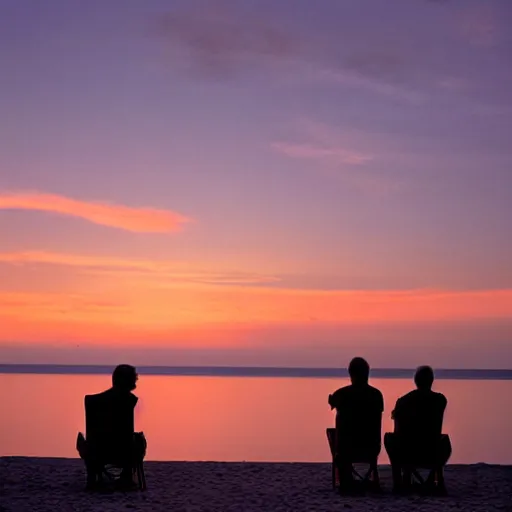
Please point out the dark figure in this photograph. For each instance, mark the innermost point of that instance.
(110, 432)
(417, 441)
(359, 408)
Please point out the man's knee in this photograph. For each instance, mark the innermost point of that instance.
(139, 445)
(445, 449)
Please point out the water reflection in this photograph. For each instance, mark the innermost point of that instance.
(231, 419)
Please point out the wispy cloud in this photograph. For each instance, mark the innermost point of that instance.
(358, 80)
(478, 24)
(317, 152)
(226, 39)
(165, 309)
(161, 272)
(13, 302)
(141, 220)
(222, 39)
(328, 147)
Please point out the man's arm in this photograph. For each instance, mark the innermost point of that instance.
(396, 415)
(334, 399)
(381, 402)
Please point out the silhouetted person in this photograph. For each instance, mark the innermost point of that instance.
(359, 408)
(110, 432)
(417, 440)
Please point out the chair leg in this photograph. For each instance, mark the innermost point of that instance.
(141, 477)
(418, 477)
(91, 479)
(375, 477)
(93, 474)
(441, 487)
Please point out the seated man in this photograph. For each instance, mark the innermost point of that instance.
(417, 440)
(110, 437)
(359, 408)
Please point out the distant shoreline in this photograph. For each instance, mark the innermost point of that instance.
(252, 371)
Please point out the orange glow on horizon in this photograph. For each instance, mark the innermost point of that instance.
(210, 313)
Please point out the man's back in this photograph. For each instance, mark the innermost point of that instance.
(110, 420)
(359, 416)
(419, 415)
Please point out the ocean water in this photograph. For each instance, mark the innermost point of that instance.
(241, 414)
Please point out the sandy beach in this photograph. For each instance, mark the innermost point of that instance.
(44, 485)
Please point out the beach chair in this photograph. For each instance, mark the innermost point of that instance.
(425, 455)
(369, 479)
(110, 441)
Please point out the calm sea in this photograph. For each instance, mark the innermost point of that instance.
(234, 414)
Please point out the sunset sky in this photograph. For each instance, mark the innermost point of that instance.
(267, 182)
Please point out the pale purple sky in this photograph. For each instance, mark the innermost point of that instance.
(342, 145)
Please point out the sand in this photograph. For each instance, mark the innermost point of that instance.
(44, 485)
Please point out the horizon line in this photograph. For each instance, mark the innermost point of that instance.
(250, 371)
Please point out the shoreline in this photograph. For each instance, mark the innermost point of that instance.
(35, 484)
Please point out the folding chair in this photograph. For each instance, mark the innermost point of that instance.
(431, 456)
(369, 479)
(110, 441)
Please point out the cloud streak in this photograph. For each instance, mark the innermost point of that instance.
(479, 26)
(252, 306)
(327, 147)
(162, 272)
(334, 154)
(139, 220)
(223, 39)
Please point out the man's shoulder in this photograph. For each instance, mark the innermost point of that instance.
(375, 391)
(343, 391)
(440, 398)
(366, 392)
(376, 397)
(411, 395)
(113, 394)
(416, 395)
(101, 395)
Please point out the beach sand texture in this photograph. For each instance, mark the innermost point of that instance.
(44, 485)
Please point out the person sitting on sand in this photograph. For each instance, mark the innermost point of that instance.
(110, 428)
(359, 408)
(417, 437)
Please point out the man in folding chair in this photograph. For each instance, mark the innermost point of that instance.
(359, 408)
(110, 437)
(418, 442)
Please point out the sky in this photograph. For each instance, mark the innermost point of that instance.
(256, 182)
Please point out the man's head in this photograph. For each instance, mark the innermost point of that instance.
(125, 377)
(359, 370)
(424, 377)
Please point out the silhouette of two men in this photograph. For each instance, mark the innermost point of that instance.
(416, 442)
